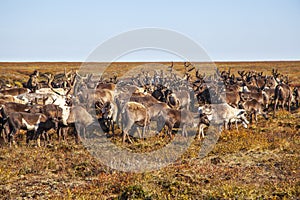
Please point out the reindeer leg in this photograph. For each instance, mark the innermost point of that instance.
(129, 139)
(226, 125)
(282, 104)
(113, 127)
(29, 136)
(4, 132)
(144, 130)
(255, 114)
(275, 106)
(11, 137)
(124, 136)
(145, 126)
(183, 130)
(170, 132)
(199, 131)
(265, 115)
(84, 132)
(136, 129)
(58, 132)
(41, 135)
(251, 118)
(126, 130)
(169, 129)
(38, 140)
(202, 131)
(64, 131)
(77, 134)
(159, 125)
(47, 138)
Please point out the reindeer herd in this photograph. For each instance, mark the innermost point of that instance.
(162, 99)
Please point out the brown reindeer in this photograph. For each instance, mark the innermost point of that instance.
(253, 107)
(134, 113)
(283, 94)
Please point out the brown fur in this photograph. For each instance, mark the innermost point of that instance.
(134, 113)
(14, 91)
(109, 86)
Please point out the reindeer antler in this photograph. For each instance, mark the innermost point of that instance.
(170, 68)
(275, 73)
(50, 78)
(187, 64)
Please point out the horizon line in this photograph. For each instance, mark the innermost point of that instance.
(152, 61)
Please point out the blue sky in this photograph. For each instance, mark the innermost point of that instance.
(65, 30)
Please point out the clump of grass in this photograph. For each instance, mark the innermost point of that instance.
(133, 192)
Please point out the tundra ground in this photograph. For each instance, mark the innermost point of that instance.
(259, 162)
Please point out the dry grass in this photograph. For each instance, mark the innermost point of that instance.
(261, 162)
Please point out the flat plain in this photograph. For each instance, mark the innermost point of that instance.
(261, 162)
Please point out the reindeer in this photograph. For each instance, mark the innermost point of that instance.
(43, 127)
(261, 97)
(260, 80)
(7, 108)
(269, 95)
(184, 98)
(172, 100)
(203, 123)
(253, 107)
(134, 113)
(109, 113)
(156, 114)
(29, 122)
(296, 94)
(33, 83)
(160, 93)
(224, 114)
(233, 98)
(203, 94)
(271, 82)
(176, 118)
(83, 120)
(283, 92)
(51, 111)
